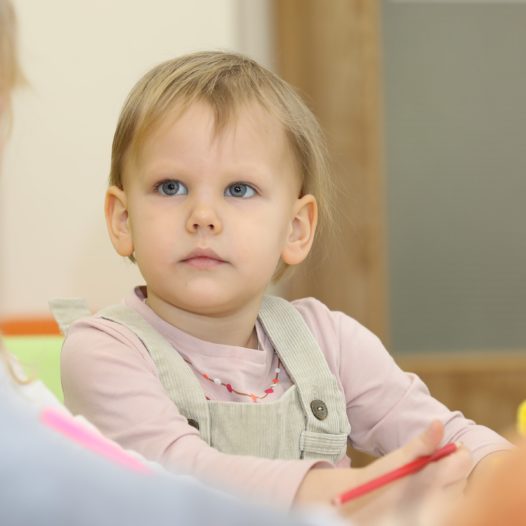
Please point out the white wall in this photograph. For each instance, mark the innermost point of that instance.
(81, 59)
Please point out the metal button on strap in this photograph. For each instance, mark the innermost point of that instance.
(193, 423)
(319, 409)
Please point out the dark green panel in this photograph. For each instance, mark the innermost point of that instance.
(455, 102)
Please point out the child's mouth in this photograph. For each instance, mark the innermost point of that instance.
(203, 259)
(203, 262)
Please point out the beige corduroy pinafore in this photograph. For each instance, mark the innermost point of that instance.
(308, 421)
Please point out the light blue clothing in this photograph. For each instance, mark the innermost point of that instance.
(47, 480)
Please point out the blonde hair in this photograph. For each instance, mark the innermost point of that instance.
(10, 72)
(226, 81)
(10, 366)
(10, 76)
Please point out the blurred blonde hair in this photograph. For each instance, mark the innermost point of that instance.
(10, 76)
(10, 72)
(227, 82)
(9, 363)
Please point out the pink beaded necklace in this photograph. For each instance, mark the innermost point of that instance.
(254, 397)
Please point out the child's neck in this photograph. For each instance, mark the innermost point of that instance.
(235, 327)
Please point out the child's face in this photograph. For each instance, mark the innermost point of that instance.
(209, 216)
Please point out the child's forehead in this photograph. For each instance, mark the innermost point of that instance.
(244, 128)
(246, 125)
(222, 120)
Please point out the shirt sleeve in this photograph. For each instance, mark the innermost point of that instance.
(387, 406)
(109, 378)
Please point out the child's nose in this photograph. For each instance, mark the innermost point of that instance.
(204, 217)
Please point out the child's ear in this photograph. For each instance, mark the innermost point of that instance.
(116, 210)
(302, 230)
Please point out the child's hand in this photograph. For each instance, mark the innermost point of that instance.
(321, 485)
(424, 444)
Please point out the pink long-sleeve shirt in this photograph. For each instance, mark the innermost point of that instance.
(109, 377)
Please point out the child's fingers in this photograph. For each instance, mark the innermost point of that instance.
(427, 494)
(424, 444)
(455, 468)
(450, 472)
(457, 489)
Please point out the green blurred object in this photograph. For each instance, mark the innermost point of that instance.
(40, 358)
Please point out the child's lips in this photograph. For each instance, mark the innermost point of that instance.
(203, 262)
(203, 259)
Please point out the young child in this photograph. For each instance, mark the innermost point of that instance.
(54, 470)
(218, 178)
(42, 447)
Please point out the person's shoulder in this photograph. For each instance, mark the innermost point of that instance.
(95, 337)
(315, 312)
(97, 326)
(334, 326)
(308, 303)
(96, 348)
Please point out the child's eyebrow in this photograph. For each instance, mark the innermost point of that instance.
(173, 169)
(164, 168)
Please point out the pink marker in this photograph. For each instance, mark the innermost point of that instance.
(90, 440)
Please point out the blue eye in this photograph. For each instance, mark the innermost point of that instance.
(171, 187)
(240, 190)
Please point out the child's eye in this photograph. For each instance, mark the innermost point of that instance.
(240, 190)
(171, 187)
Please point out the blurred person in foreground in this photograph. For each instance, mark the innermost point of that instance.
(55, 470)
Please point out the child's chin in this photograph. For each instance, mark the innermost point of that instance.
(206, 299)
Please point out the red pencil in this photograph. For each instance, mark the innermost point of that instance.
(395, 474)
